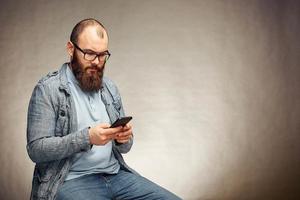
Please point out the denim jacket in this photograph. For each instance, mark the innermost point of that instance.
(52, 138)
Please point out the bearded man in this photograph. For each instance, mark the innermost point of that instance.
(77, 154)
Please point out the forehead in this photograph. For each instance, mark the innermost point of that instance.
(93, 38)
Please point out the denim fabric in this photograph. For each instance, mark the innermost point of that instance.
(121, 186)
(52, 138)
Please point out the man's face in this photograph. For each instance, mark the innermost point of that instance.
(89, 73)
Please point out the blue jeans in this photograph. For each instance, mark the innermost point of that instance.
(123, 185)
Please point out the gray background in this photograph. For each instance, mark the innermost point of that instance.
(213, 87)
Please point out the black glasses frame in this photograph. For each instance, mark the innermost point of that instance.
(104, 53)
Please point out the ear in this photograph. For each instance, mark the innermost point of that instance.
(70, 48)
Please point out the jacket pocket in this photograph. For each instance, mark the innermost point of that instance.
(43, 179)
(40, 182)
(61, 122)
(44, 173)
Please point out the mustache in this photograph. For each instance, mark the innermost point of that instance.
(95, 67)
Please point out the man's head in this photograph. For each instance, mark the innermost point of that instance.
(88, 49)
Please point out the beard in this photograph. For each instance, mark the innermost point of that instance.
(88, 82)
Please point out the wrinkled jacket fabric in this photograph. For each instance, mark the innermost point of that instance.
(52, 138)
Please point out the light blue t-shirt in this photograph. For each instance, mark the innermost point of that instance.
(90, 111)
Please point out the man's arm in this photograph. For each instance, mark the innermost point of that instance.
(57, 148)
(42, 144)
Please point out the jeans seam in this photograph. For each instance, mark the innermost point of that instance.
(108, 186)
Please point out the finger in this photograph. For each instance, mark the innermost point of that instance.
(106, 138)
(124, 133)
(122, 141)
(110, 137)
(104, 125)
(107, 133)
(122, 136)
(127, 137)
(114, 130)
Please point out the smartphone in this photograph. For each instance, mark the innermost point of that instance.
(121, 122)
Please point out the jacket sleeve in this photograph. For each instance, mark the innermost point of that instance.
(42, 143)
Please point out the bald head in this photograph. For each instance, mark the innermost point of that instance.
(81, 26)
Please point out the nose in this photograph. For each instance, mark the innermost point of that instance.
(96, 61)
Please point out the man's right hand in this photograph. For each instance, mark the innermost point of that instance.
(102, 134)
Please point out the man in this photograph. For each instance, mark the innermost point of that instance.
(77, 154)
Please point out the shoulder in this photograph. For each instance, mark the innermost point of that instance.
(54, 79)
(50, 78)
(49, 84)
(48, 89)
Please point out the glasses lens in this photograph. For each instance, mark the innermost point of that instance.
(89, 56)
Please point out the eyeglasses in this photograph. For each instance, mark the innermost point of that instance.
(91, 56)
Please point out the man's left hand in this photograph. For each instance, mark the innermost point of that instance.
(124, 135)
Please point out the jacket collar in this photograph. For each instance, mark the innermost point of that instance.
(63, 78)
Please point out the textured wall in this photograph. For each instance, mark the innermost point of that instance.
(213, 87)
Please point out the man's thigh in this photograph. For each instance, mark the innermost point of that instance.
(90, 187)
(129, 186)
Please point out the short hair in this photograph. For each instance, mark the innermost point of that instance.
(80, 26)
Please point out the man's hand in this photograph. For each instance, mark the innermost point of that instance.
(102, 134)
(125, 134)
